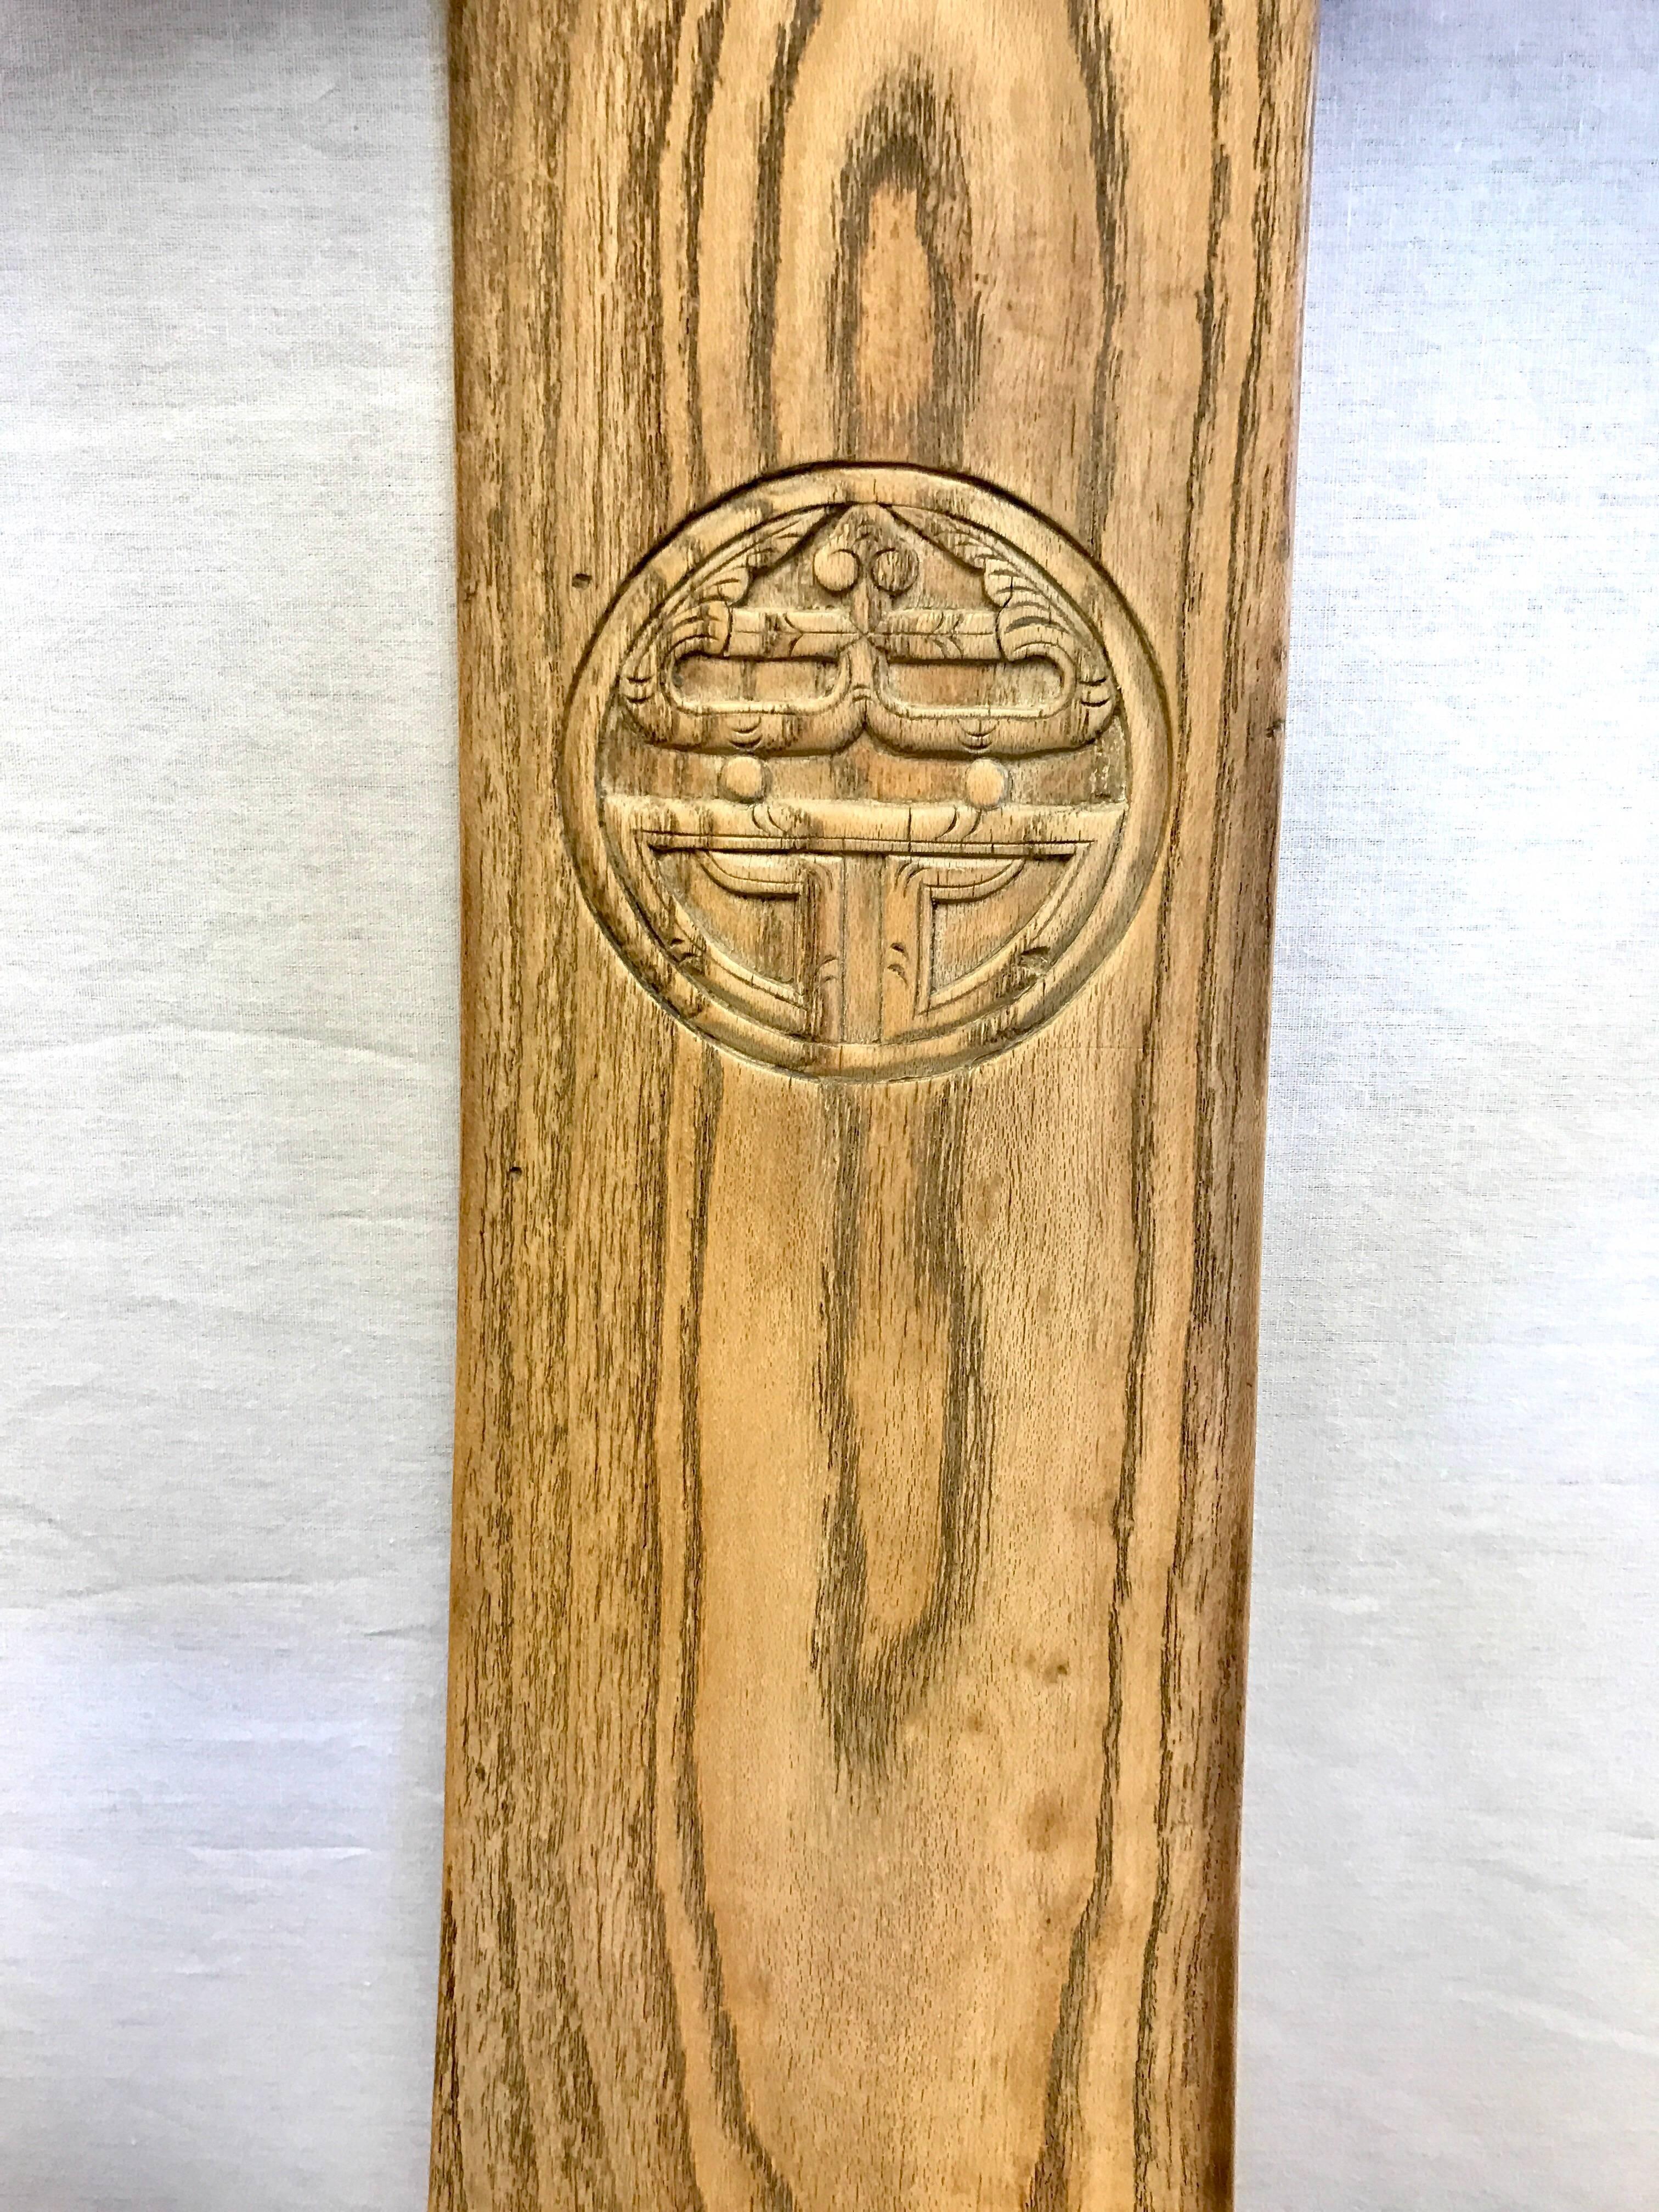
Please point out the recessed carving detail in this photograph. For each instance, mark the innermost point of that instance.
(866, 771)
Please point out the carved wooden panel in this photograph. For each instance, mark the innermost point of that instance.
(874, 424)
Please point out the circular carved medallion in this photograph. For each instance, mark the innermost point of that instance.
(866, 771)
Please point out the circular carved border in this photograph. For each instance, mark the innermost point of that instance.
(800, 630)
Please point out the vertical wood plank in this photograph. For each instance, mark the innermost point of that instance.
(853, 1476)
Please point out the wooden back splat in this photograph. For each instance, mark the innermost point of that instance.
(867, 903)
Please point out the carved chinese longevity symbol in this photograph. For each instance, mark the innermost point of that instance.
(866, 771)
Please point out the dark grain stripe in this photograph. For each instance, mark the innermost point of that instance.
(1149, 2028)
(792, 39)
(907, 141)
(1050, 2189)
(1062, 2102)
(1091, 41)
(711, 37)
(637, 1568)
(1207, 1368)
(581, 2148)
(448, 2153)
(730, 2098)
(868, 1696)
(635, 345)
(485, 1977)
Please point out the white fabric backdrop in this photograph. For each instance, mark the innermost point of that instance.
(227, 1103)
(228, 1041)
(1451, 1927)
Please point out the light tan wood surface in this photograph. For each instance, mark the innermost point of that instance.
(868, 901)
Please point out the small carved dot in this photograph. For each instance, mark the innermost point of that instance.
(986, 782)
(744, 777)
(895, 569)
(581, 581)
(836, 568)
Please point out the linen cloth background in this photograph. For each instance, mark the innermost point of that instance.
(227, 985)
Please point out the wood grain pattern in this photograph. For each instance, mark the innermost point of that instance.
(852, 1479)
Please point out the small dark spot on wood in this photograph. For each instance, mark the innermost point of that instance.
(1045, 1822)
(581, 581)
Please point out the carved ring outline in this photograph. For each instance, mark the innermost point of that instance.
(866, 771)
